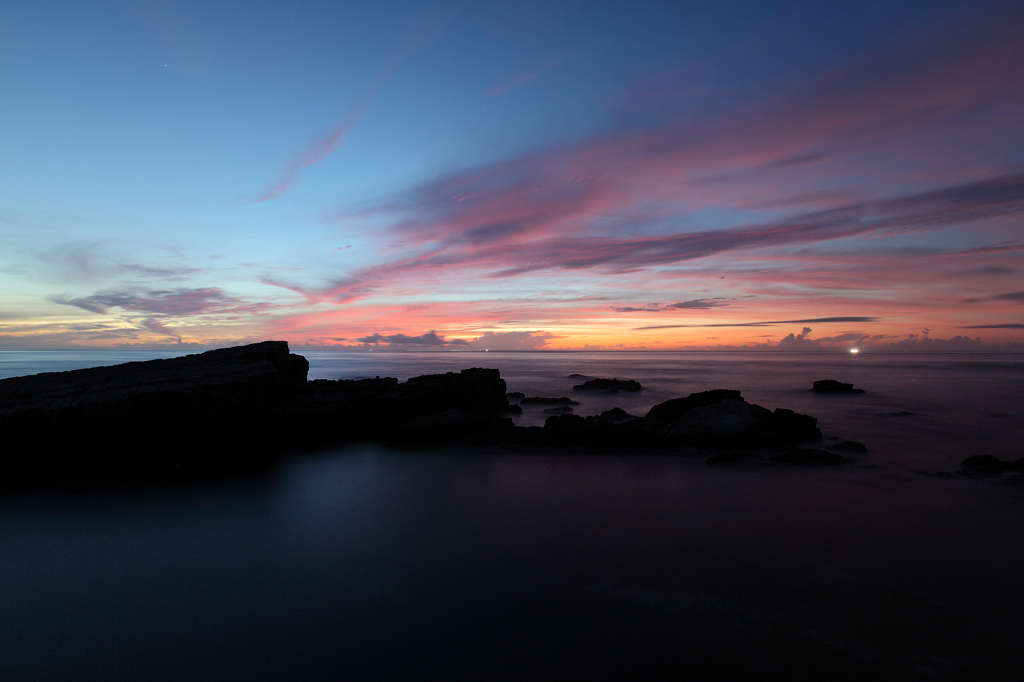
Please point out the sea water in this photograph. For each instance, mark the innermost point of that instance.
(369, 563)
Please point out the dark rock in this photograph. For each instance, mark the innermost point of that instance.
(579, 376)
(812, 457)
(1013, 479)
(673, 410)
(561, 409)
(150, 415)
(564, 423)
(225, 409)
(616, 414)
(515, 395)
(735, 458)
(448, 426)
(896, 414)
(737, 422)
(233, 408)
(329, 412)
(990, 465)
(547, 401)
(848, 446)
(608, 385)
(985, 465)
(833, 386)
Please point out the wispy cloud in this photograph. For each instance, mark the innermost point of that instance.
(155, 325)
(1016, 296)
(769, 322)
(501, 256)
(695, 304)
(176, 302)
(322, 147)
(632, 200)
(520, 79)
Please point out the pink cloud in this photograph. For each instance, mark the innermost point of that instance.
(520, 78)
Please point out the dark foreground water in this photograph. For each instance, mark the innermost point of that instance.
(365, 563)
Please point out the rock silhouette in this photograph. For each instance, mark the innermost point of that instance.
(242, 407)
(608, 385)
(535, 400)
(989, 465)
(833, 386)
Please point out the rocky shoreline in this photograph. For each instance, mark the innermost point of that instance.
(235, 408)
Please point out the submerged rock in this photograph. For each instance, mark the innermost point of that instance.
(833, 386)
(608, 385)
(547, 401)
(988, 465)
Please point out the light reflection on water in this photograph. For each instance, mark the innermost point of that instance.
(370, 562)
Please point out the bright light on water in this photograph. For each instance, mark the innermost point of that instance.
(854, 350)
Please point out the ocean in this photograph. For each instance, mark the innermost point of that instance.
(363, 562)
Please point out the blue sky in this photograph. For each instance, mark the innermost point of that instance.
(329, 173)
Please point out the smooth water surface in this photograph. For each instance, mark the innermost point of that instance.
(367, 563)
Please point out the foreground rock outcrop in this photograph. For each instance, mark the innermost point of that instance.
(237, 407)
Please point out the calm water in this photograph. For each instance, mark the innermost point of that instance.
(367, 563)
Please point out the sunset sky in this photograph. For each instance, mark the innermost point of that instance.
(512, 175)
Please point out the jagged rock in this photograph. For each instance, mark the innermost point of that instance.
(608, 385)
(547, 401)
(616, 414)
(337, 411)
(561, 409)
(236, 407)
(833, 386)
(988, 465)
(231, 407)
(564, 423)
(848, 446)
(721, 418)
(676, 409)
(735, 458)
(814, 457)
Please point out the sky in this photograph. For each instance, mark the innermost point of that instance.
(512, 175)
